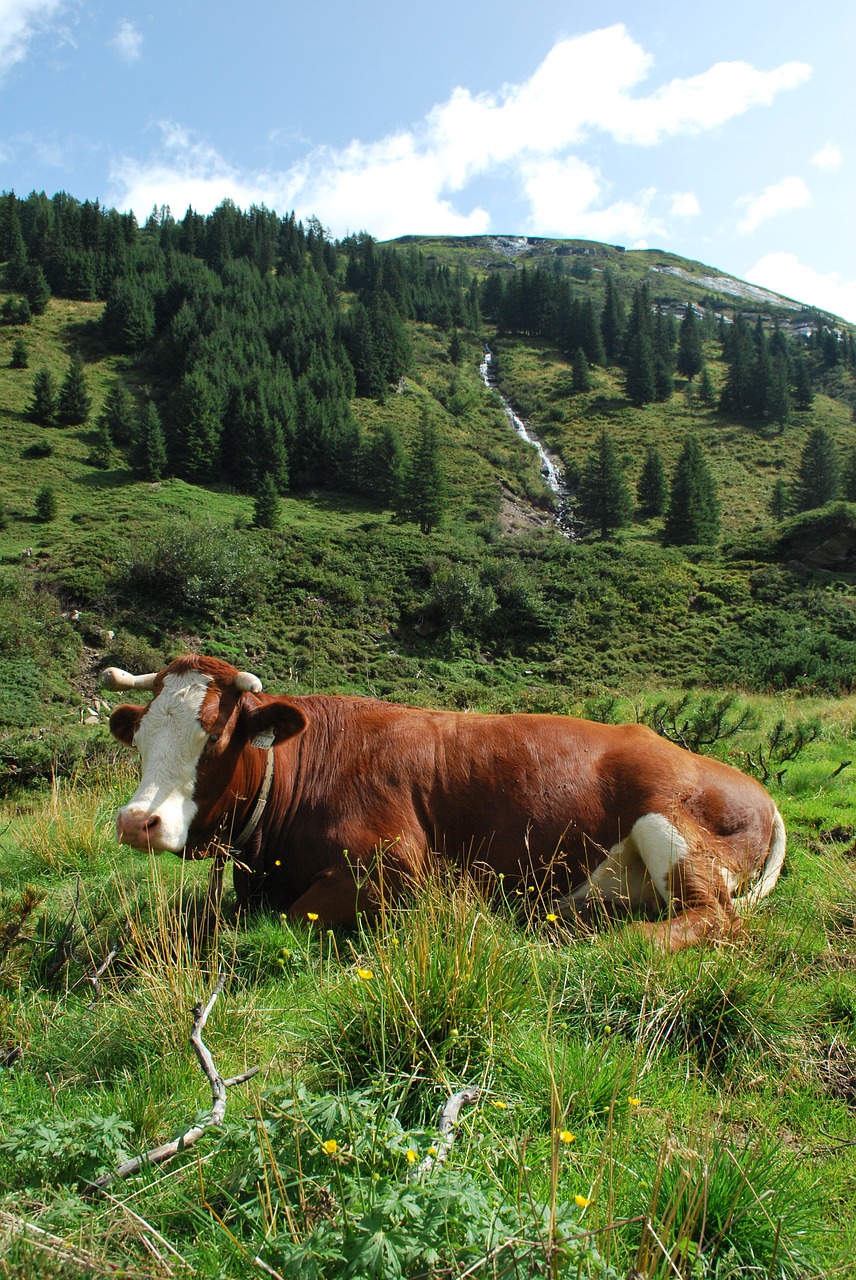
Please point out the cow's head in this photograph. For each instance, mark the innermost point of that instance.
(204, 717)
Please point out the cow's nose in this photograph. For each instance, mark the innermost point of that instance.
(136, 827)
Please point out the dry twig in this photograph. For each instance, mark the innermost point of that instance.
(218, 1102)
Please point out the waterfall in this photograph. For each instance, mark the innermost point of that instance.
(550, 467)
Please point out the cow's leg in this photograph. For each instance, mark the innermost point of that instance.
(619, 884)
(689, 877)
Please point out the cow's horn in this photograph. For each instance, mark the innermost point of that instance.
(116, 678)
(246, 682)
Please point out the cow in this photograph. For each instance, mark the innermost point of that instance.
(326, 803)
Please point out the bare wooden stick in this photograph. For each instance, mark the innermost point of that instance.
(446, 1122)
(218, 1102)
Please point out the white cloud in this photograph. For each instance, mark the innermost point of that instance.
(128, 42)
(530, 133)
(828, 157)
(780, 197)
(20, 21)
(784, 273)
(685, 205)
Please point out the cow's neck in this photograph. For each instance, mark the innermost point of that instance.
(248, 830)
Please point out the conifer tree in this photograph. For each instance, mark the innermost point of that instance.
(779, 500)
(266, 508)
(706, 389)
(149, 449)
(43, 406)
(603, 494)
(20, 358)
(580, 374)
(74, 400)
(612, 320)
(46, 505)
(652, 491)
(118, 414)
(423, 493)
(456, 347)
(690, 356)
(693, 515)
(382, 467)
(640, 361)
(36, 289)
(803, 393)
(819, 473)
(101, 453)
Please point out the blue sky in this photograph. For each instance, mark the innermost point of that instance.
(725, 135)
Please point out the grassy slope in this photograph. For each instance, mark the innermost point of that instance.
(726, 1051)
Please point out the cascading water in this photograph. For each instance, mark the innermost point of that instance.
(550, 468)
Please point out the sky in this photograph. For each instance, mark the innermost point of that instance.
(723, 133)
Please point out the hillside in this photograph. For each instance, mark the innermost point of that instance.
(267, 353)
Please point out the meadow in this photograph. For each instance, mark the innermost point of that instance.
(686, 1115)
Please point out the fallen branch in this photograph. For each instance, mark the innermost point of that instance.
(218, 1102)
(446, 1122)
(66, 1252)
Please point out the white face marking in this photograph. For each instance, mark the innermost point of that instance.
(170, 740)
(661, 847)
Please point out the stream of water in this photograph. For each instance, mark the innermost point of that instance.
(550, 467)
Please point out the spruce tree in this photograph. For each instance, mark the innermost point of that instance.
(382, 467)
(779, 500)
(603, 494)
(118, 414)
(46, 505)
(149, 449)
(612, 320)
(652, 491)
(693, 515)
(803, 392)
(580, 373)
(706, 389)
(266, 509)
(690, 356)
(819, 472)
(37, 290)
(43, 406)
(20, 358)
(423, 493)
(74, 400)
(101, 453)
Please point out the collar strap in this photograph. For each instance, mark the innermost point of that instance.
(255, 817)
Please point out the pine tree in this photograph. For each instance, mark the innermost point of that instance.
(819, 472)
(603, 494)
(652, 491)
(20, 358)
(640, 362)
(74, 400)
(37, 289)
(43, 406)
(693, 514)
(804, 394)
(612, 320)
(779, 397)
(101, 453)
(706, 389)
(149, 449)
(266, 508)
(118, 414)
(382, 467)
(456, 348)
(580, 373)
(779, 500)
(690, 356)
(46, 506)
(423, 494)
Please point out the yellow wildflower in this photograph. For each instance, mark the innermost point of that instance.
(411, 1155)
(634, 1102)
(582, 1201)
(365, 974)
(499, 1104)
(432, 1151)
(552, 917)
(565, 1135)
(311, 915)
(331, 1146)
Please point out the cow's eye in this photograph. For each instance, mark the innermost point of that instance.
(213, 739)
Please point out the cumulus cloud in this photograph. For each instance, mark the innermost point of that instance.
(20, 21)
(531, 133)
(128, 42)
(785, 274)
(780, 197)
(685, 205)
(828, 157)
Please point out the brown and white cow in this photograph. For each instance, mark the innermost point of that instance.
(311, 794)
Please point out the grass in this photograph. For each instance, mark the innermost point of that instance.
(684, 1115)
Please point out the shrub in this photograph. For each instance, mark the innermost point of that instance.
(46, 506)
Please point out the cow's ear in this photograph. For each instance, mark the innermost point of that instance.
(273, 722)
(125, 721)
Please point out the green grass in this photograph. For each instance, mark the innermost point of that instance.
(686, 1113)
